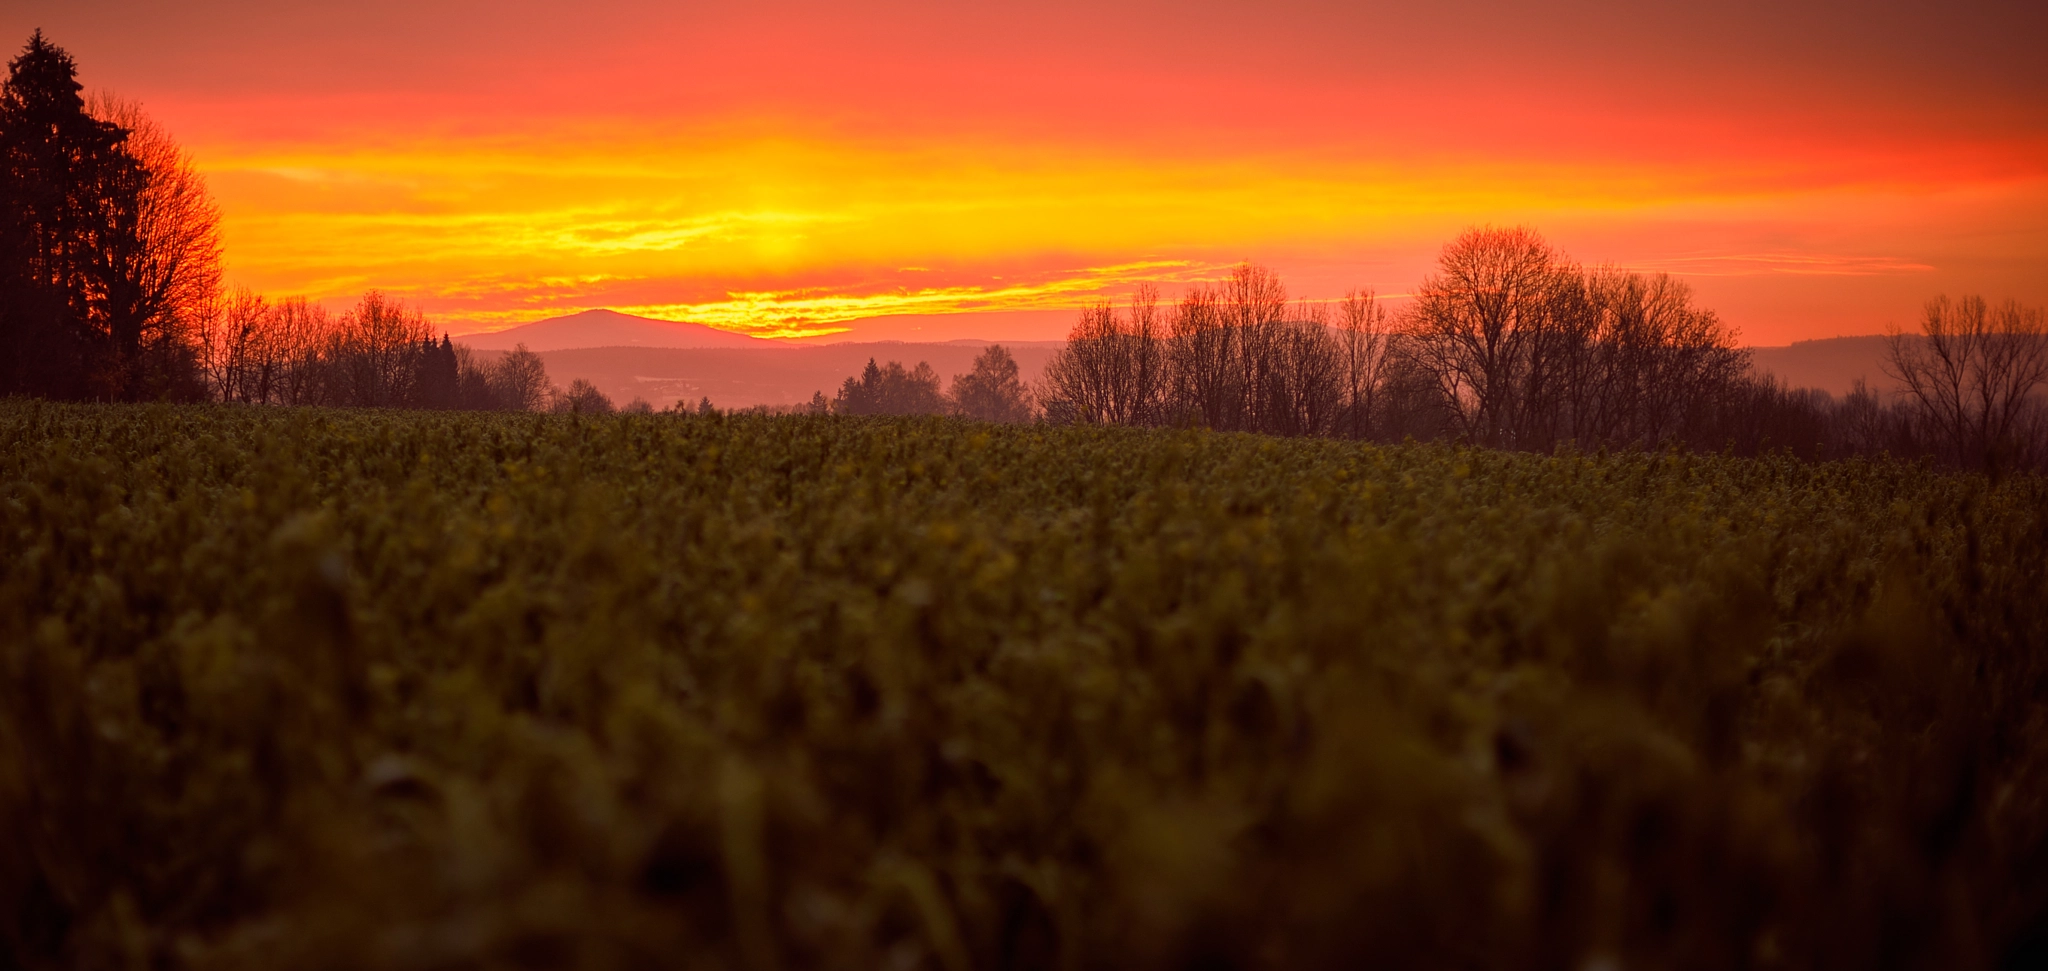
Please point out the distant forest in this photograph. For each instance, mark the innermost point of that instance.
(111, 290)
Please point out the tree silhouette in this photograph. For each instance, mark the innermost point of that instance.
(992, 391)
(1524, 349)
(520, 381)
(891, 390)
(1205, 384)
(1479, 324)
(1114, 367)
(162, 278)
(1362, 333)
(582, 398)
(1972, 375)
(108, 250)
(64, 180)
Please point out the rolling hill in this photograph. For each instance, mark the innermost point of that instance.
(609, 328)
(1833, 364)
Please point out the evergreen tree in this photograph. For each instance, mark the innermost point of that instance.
(62, 176)
(891, 390)
(436, 382)
(88, 276)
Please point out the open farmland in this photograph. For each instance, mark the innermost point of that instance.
(326, 689)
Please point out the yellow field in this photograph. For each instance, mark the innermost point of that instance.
(288, 688)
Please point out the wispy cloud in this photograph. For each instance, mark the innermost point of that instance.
(788, 236)
(817, 311)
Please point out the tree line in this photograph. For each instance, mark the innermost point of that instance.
(110, 282)
(1510, 344)
(991, 391)
(377, 354)
(110, 289)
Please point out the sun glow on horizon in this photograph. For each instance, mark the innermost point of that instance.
(797, 237)
(804, 167)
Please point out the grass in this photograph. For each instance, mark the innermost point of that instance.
(323, 689)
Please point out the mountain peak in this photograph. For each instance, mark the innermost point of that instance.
(608, 328)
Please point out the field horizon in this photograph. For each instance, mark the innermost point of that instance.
(787, 374)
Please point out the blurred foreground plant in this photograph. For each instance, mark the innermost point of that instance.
(296, 688)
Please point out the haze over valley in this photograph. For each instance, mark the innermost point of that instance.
(665, 363)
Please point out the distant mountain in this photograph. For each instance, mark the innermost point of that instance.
(609, 328)
(1832, 364)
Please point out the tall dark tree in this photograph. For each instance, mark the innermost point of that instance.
(437, 380)
(106, 255)
(68, 192)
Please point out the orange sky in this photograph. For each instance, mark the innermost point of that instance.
(790, 168)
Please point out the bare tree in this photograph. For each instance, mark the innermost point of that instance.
(1973, 373)
(1082, 381)
(231, 333)
(1142, 358)
(159, 281)
(1254, 306)
(520, 380)
(253, 351)
(1645, 361)
(374, 353)
(1362, 346)
(1410, 402)
(299, 330)
(582, 398)
(992, 391)
(1115, 368)
(1207, 387)
(1478, 323)
(1305, 386)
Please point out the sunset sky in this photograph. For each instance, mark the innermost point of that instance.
(789, 168)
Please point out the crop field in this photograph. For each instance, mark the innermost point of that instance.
(290, 688)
